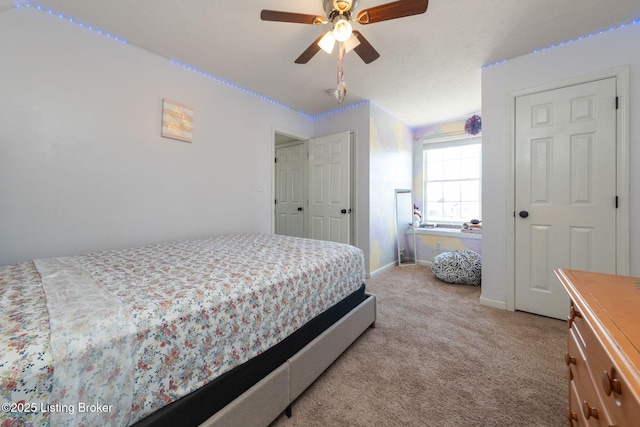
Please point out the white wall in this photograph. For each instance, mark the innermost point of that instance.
(82, 163)
(391, 168)
(606, 51)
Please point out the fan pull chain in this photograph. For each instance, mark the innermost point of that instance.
(341, 90)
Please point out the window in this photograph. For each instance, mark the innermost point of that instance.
(452, 180)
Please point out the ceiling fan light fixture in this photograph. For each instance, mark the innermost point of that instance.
(342, 30)
(351, 43)
(327, 42)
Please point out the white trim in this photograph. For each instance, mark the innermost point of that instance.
(494, 303)
(353, 182)
(448, 138)
(382, 269)
(425, 262)
(459, 141)
(290, 143)
(448, 232)
(622, 178)
(510, 302)
(621, 75)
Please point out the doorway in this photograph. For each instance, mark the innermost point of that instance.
(566, 190)
(290, 187)
(313, 187)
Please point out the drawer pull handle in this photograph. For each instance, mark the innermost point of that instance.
(610, 384)
(589, 411)
(573, 313)
(572, 415)
(569, 360)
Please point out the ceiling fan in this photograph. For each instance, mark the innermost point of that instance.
(340, 14)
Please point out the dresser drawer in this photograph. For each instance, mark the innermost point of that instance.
(593, 363)
(603, 348)
(576, 412)
(609, 383)
(584, 399)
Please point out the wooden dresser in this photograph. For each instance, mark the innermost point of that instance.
(603, 349)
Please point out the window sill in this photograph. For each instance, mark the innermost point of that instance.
(448, 232)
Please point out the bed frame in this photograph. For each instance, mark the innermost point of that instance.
(274, 394)
(259, 403)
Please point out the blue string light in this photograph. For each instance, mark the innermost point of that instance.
(338, 110)
(27, 4)
(553, 46)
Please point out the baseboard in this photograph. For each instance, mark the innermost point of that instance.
(502, 305)
(382, 269)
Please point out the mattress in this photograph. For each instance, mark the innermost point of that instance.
(110, 337)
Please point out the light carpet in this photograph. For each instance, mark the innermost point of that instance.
(439, 358)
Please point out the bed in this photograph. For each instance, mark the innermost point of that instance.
(220, 331)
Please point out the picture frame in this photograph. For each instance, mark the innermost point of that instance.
(177, 121)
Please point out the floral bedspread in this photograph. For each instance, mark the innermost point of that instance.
(26, 366)
(199, 308)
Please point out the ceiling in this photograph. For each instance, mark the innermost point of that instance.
(430, 65)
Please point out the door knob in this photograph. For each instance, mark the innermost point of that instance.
(344, 211)
(300, 209)
(523, 214)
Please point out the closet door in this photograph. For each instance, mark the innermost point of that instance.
(565, 190)
(290, 184)
(330, 188)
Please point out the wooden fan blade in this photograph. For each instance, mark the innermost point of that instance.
(394, 10)
(365, 50)
(310, 52)
(297, 18)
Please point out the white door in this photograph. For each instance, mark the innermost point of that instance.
(290, 184)
(565, 190)
(330, 188)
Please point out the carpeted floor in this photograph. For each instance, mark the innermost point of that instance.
(439, 358)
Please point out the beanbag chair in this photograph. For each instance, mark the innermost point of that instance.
(463, 267)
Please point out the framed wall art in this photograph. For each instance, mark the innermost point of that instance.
(177, 121)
